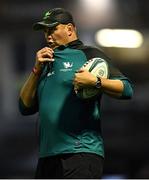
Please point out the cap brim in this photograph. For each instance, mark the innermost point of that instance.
(41, 25)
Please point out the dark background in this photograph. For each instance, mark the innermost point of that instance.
(125, 124)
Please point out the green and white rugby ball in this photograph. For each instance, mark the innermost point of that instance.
(99, 68)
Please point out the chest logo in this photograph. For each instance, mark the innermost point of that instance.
(67, 65)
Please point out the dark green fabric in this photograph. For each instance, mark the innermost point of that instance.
(68, 124)
(128, 90)
(27, 110)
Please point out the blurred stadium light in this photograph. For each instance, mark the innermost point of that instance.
(123, 38)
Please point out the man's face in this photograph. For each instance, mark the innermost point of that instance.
(57, 36)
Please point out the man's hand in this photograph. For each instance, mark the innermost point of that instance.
(83, 78)
(43, 55)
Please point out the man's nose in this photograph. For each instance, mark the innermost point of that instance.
(49, 37)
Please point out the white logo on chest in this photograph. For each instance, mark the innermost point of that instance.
(67, 66)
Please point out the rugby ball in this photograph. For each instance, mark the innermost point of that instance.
(99, 68)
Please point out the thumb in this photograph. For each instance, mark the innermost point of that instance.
(81, 70)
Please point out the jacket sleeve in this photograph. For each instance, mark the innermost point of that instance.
(128, 89)
(27, 110)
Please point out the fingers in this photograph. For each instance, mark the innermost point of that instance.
(83, 78)
(80, 70)
(45, 54)
(76, 88)
(46, 49)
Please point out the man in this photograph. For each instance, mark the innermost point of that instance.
(71, 144)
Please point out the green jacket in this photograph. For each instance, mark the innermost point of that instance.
(69, 124)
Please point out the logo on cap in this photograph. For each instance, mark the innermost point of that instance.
(47, 14)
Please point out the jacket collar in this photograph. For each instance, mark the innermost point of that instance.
(72, 44)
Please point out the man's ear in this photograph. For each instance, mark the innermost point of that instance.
(70, 28)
